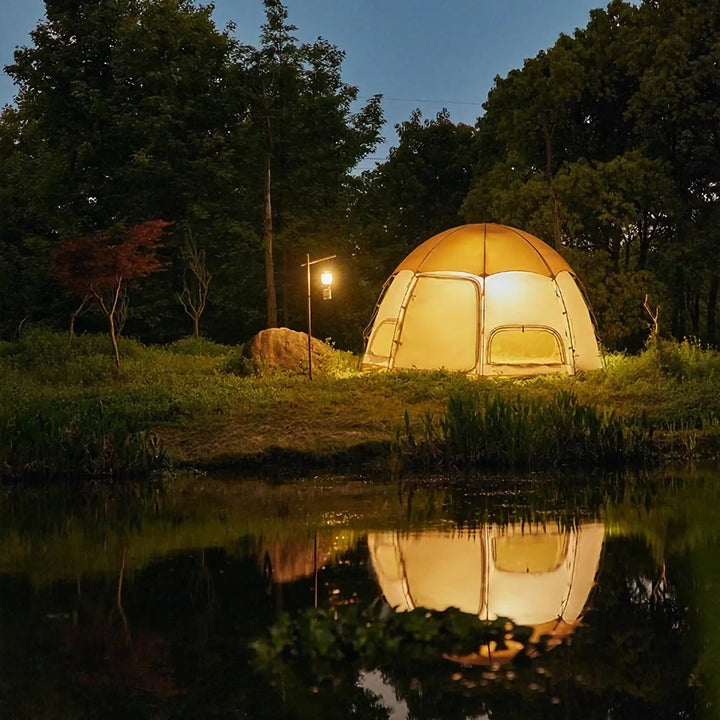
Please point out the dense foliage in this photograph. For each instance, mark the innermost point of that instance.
(606, 145)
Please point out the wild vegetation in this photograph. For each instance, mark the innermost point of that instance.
(139, 114)
(66, 410)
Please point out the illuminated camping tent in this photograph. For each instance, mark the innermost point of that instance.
(536, 576)
(486, 300)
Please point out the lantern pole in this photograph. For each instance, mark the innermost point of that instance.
(307, 264)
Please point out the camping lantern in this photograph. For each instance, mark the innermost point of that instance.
(326, 279)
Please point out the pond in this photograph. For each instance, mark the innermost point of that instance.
(530, 597)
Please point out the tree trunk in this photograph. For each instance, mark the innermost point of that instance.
(196, 326)
(268, 245)
(111, 321)
(285, 294)
(113, 337)
(74, 315)
(547, 134)
(644, 245)
(712, 309)
(695, 305)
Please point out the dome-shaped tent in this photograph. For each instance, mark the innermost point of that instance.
(486, 300)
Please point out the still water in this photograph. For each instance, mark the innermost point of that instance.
(337, 598)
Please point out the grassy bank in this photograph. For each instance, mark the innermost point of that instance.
(65, 409)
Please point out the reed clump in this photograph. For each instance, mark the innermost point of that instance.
(75, 440)
(490, 430)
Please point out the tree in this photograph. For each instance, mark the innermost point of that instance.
(130, 109)
(528, 116)
(126, 101)
(94, 267)
(194, 294)
(625, 206)
(674, 111)
(27, 288)
(609, 142)
(416, 193)
(300, 115)
(125, 110)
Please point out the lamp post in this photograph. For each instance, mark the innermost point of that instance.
(326, 281)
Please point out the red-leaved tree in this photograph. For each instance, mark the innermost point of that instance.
(102, 266)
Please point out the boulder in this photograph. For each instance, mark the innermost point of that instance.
(284, 349)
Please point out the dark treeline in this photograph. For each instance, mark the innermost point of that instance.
(607, 146)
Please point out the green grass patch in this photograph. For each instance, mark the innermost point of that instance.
(66, 409)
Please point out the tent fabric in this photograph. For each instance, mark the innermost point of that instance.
(483, 299)
(482, 250)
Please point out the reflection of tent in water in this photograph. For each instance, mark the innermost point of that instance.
(485, 300)
(534, 576)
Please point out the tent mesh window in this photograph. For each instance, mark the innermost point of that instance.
(525, 345)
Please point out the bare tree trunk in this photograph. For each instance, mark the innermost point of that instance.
(113, 338)
(74, 315)
(554, 206)
(194, 295)
(712, 310)
(111, 322)
(268, 245)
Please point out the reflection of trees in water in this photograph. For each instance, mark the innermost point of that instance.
(173, 635)
(106, 649)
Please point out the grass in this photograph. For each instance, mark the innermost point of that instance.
(66, 410)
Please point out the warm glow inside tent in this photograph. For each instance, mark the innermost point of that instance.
(535, 576)
(485, 300)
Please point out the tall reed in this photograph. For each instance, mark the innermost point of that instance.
(47, 440)
(524, 432)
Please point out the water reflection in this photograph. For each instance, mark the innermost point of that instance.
(161, 605)
(533, 575)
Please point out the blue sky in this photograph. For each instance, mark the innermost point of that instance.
(423, 54)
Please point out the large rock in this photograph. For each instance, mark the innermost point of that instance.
(285, 349)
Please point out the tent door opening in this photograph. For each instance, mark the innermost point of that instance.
(439, 328)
